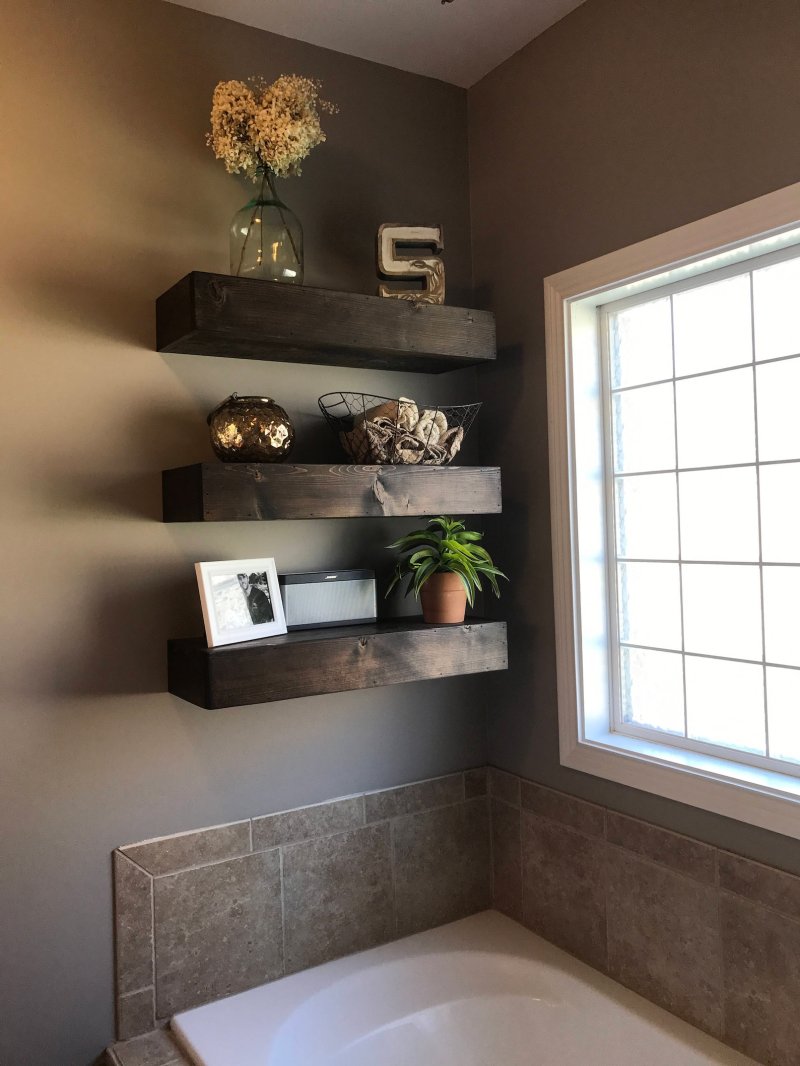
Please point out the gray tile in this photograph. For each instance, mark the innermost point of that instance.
(133, 925)
(218, 931)
(289, 827)
(408, 799)
(153, 1049)
(476, 782)
(761, 951)
(681, 853)
(179, 852)
(441, 865)
(136, 1013)
(663, 938)
(506, 859)
(337, 896)
(560, 807)
(476, 846)
(763, 884)
(504, 786)
(563, 888)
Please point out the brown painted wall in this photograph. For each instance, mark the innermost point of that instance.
(626, 119)
(107, 196)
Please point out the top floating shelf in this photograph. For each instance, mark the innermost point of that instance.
(246, 318)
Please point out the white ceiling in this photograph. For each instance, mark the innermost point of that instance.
(457, 42)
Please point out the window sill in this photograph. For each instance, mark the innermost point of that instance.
(749, 794)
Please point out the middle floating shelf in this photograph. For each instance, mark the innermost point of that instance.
(236, 492)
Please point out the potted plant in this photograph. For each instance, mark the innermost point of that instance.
(445, 564)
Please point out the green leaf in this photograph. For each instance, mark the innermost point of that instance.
(423, 553)
(412, 539)
(468, 589)
(423, 573)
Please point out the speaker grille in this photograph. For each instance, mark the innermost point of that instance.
(326, 602)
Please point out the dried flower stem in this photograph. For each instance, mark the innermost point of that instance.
(270, 178)
(251, 223)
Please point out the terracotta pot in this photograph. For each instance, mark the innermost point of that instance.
(444, 599)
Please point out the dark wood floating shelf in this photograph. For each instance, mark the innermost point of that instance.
(233, 492)
(311, 662)
(246, 318)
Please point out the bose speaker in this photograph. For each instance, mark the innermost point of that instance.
(329, 598)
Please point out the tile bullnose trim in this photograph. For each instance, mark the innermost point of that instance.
(476, 782)
(759, 883)
(412, 798)
(133, 926)
(675, 851)
(505, 786)
(308, 823)
(195, 847)
(578, 814)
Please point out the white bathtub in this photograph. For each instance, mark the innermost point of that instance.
(480, 992)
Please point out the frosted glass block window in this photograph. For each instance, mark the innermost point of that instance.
(716, 419)
(642, 344)
(653, 689)
(722, 610)
(778, 386)
(777, 310)
(644, 430)
(783, 696)
(712, 326)
(780, 513)
(647, 517)
(650, 604)
(719, 514)
(782, 615)
(725, 703)
(702, 401)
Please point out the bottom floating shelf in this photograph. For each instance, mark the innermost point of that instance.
(311, 662)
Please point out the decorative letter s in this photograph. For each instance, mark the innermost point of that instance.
(393, 265)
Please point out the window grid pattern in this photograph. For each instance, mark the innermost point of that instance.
(705, 568)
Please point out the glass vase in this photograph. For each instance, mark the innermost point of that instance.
(266, 237)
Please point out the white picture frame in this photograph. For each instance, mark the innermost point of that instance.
(241, 600)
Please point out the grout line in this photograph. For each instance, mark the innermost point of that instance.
(606, 908)
(720, 938)
(491, 854)
(250, 826)
(392, 859)
(521, 870)
(283, 912)
(153, 940)
(136, 991)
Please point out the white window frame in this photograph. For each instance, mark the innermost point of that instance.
(755, 794)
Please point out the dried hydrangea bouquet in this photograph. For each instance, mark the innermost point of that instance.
(266, 131)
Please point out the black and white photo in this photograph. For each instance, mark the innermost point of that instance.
(241, 600)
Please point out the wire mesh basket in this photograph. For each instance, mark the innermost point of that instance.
(380, 430)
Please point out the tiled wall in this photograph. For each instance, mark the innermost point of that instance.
(204, 914)
(710, 936)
